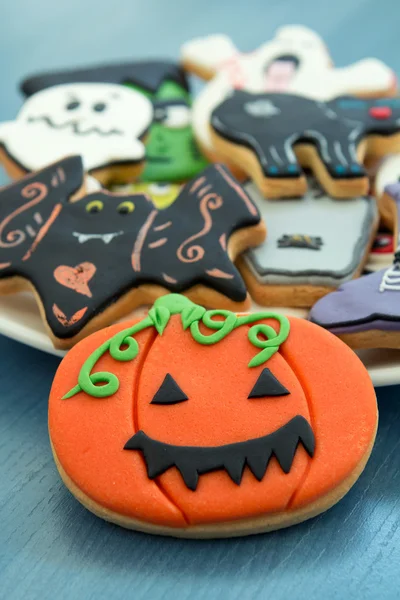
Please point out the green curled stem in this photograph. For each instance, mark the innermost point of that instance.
(124, 347)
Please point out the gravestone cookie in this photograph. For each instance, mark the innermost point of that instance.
(314, 244)
(200, 423)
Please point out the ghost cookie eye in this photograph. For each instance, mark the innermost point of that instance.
(99, 107)
(72, 105)
(94, 206)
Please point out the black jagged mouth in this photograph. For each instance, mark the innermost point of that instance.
(192, 461)
(74, 126)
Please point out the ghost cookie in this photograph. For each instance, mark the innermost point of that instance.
(104, 123)
(172, 153)
(271, 136)
(314, 244)
(93, 260)
(197, 423)
(366, 313)
(296, 60)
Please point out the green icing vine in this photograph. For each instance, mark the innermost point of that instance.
(124, 347)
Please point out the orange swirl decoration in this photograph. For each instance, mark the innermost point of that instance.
(37, 191)
(188, 253)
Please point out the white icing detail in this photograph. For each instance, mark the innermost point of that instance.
(38, 218)
(353, 152)
(391, 279)
(177, 117)
(389, 172)
(329, 112)
(275, 155)
(339, 153)
(30, 231)
(105, 237)
(92, 185)
(288, 148)
(323, 143)
(209, 52)
(314, 77)
(261, 108)
(101, 122)
(160, 189)
(353, 135)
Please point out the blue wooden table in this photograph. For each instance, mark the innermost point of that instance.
(50, 547)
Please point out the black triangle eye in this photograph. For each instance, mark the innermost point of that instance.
(169, 392)
(267, 385)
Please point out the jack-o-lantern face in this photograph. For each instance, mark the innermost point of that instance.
(201, 422)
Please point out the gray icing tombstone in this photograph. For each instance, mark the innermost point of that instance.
(312, 241)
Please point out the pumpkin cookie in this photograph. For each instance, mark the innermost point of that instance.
(203, 423)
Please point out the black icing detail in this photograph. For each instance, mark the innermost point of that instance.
(73, 105)
(75, 127)
(149, 75)
(100, 107)
(192, 461)
(382, 241)
(176, 248)
(161, 108)
(289, 58)
(267, 385)
(299, 240)
(169, 392)
(270, 125)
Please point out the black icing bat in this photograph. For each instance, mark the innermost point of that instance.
(85, 255)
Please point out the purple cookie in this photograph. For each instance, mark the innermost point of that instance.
(369, 304)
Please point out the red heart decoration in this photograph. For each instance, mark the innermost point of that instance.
(76, 278)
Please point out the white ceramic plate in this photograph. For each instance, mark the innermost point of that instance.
(20, 320)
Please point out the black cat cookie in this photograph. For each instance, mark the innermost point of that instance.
(271, 136)
(92, 258)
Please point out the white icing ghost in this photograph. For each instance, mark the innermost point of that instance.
(296, 60)
(100, 121)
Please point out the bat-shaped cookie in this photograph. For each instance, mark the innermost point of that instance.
(94, 259)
